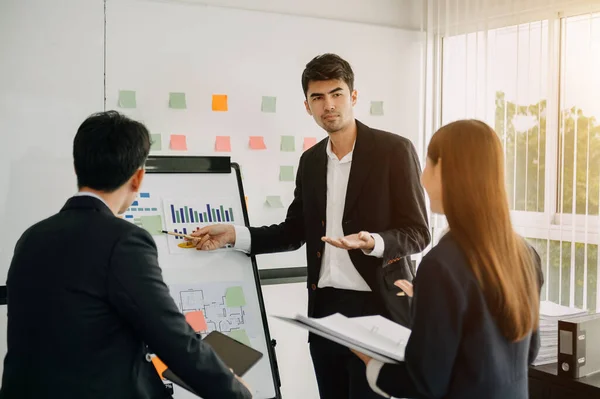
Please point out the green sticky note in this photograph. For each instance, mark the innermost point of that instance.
(156, 142)
(234, 297)
(177, 101)
(377, 108)
(288, 143)
(152, 224)
(269, 104)
(240, 336)
(286, 173)
(127, 99)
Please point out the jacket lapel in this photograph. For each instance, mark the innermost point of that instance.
(318, 171)
(361, 166)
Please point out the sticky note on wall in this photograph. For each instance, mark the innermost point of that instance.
(288, 143)
(286, 173)
(274, 201)
(257, 143)
(377, 108)
(309, 142)
(127, 99)
(155, 142)
(177, 101)
(269, 104)
(178, 142)
(219, 102)
(223, 144)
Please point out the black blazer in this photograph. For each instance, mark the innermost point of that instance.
(384, 196)
(85, 297)
(456, 349)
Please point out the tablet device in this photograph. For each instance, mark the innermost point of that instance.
(237, 356)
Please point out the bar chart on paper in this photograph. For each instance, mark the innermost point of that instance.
(185, 216)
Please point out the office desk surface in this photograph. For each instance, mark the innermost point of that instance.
(544, 383)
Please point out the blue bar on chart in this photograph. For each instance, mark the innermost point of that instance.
(128, 216)
(144, 195)
(210, 219)
(187, 214)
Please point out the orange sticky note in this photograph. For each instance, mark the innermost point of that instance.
(219, 102)
(159, 366)
(196, 320)
(257, 143)
(178, 142)
(223, 144)
(309, 142)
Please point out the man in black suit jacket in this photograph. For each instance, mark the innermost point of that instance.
(86, 294)
(356, 181)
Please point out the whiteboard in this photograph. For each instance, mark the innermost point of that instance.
(219, 290)
(157, 47)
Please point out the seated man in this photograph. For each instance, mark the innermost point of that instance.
(86, 294)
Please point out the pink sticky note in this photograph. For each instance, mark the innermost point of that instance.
(257, 143)
(178, 142)
(196, 320)
(309, 142)
(223, 144)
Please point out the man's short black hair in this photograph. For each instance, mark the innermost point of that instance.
(326, 67)
(108, 149)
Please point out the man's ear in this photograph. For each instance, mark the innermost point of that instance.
(136, 179)
(307, 107)
(354, 96)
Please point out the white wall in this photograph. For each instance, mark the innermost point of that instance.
(405, 14)
(51, 78)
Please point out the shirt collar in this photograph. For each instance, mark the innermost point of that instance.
(332, 156)
(88, 194)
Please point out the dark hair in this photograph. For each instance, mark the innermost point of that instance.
(108, 149)
(326, 67)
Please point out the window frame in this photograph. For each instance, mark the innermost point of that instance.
(549, 224)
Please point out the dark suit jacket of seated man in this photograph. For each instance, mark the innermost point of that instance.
(86, 297)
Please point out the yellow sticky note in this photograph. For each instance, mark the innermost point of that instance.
(219, 102)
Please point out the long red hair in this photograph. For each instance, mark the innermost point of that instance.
(476, 207)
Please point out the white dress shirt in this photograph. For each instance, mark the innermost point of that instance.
(337, 269)
(373, 369)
